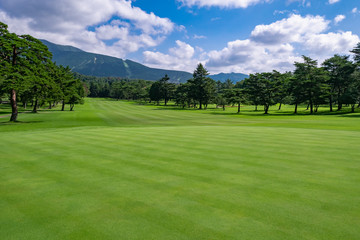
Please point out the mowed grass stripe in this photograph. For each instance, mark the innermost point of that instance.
(217, 193)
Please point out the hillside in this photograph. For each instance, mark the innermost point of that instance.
(234, 77)
(105, 66)
(99, 65)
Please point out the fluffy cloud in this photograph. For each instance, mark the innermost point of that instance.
(323, 45)
(248, 57)
(274, 46)
(291, 29)
(339, 18)
(180, 57)
(222, 3)
(333, 1)
(85, 24)
(355, 10)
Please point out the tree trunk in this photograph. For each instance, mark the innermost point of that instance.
(311, 107)
(339, 102)
(296, 107)
(223, 107)
(266, 109)
(200, 105)
(331, 103)
(339, 106)
(239, 108)
(256, 107)
(35, 106)
(63, 105)
(280, 106)
(14, 108)
(24, 104)
(72, 107)
(353, 108)
(50, 105)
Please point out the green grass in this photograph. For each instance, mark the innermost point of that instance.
(119, 170)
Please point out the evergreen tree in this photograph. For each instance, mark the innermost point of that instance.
(22, 60)
(356, 52)
(202, 88)
(310, 81)
(340, 70)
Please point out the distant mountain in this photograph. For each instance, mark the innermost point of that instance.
(92, 64)
(234, 77)
(98, 65)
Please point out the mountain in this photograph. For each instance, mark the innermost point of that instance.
(234, 77)
(98, 65)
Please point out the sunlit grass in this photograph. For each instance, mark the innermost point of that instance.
(119, 170)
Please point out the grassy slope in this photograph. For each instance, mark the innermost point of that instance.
(115, 170)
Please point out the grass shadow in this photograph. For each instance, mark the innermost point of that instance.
(19, 122)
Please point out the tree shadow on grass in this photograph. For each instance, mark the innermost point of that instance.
(18, 122)
(353, 115)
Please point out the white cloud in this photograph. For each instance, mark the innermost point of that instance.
(333, 1)
(199, 36)
(84, 24)
(290, 29)
(247, 56)
(274, 46)
(221, 3)
(303, 3)
(180, 57)
(339, 18)
(323, 45)
(355, 10)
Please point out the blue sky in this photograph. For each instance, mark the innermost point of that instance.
(226, 35)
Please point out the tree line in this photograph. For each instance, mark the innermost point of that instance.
(335, 82)
(116, 87)
(28, 75)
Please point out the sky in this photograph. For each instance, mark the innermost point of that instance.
(243, 36)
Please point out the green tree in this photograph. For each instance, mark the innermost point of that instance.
(155, 92)
(311, 80)
(22, 60)
(251, 86)
(182, 95)
(235, 96)
(167, 89)
(283, 87)
(340, 70)
(356, 52)
(75, 94)
(221, 100)
(117, 90)
(262, 88)
(202, 88)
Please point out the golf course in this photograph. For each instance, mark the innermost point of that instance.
(122, 170)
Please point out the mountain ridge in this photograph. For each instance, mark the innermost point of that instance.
(99, 65)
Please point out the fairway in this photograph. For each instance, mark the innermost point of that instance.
(120, 170)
